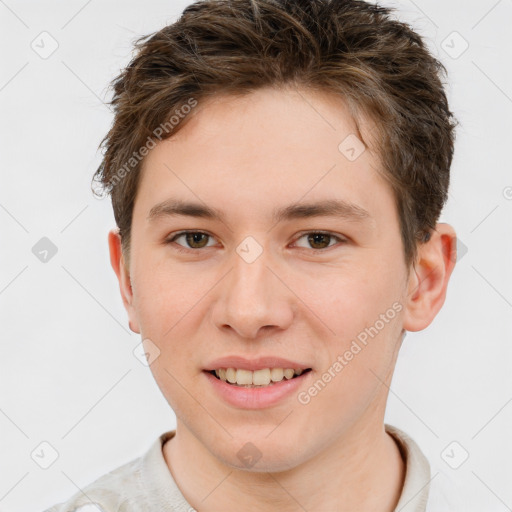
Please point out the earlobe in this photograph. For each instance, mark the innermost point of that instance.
(428, 281)
(123, 276)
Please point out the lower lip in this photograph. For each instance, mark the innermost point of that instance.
(256, 398)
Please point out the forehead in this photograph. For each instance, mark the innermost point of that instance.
(288, 112)
(270, 147)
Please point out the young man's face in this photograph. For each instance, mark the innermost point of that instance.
(263, 287)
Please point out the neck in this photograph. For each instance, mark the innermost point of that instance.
(362, 470)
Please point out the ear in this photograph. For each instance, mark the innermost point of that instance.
(123, 276)
(428, 281)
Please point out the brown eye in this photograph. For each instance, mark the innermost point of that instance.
(193, 240)
(319, 240)
(196, 238)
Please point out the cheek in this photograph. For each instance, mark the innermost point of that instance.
(345, 298)
(352, 380)
(367, 326)
(363, 313)
(167, 306)
(163, 297)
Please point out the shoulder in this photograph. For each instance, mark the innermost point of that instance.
(415, 488)
(143, 484)
(112, 492)
(428, 486)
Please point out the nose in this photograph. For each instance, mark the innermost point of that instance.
(253, 298)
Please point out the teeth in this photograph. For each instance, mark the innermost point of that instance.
(288, 373)
(243, 377)
(230, 375)
(277, 374)
(257, 378)
(260, 377)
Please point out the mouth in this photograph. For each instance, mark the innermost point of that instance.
(265, 377)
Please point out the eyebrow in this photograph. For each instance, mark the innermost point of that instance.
(329, 207)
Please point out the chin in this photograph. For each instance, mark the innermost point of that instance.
(262, 450)
(268, 463)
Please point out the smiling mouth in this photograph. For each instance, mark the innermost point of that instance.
(257, 379)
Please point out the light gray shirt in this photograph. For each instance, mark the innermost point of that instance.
(146, 484)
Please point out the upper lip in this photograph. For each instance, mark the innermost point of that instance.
(259, 363)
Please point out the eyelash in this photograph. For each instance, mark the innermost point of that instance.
(180, 248)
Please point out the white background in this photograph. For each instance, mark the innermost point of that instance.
(67, 372)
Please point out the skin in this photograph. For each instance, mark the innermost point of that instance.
(299, 300)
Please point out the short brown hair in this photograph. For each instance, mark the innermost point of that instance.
(378, 65)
